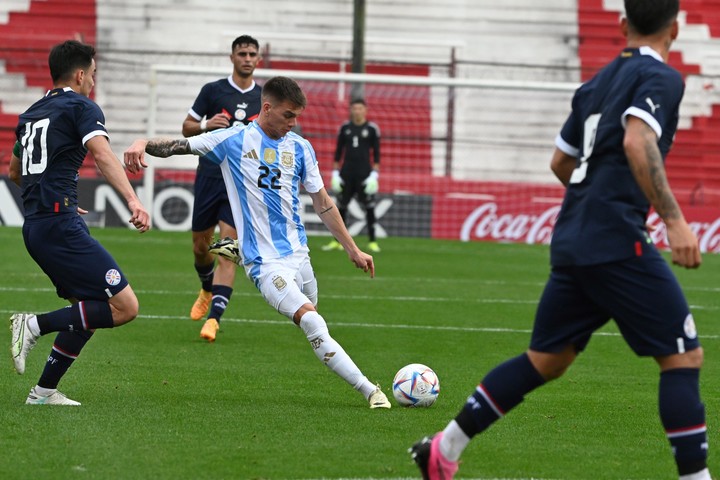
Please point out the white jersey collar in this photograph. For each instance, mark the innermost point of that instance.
(236, 87)
(645, 50)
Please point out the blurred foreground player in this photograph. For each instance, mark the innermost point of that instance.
(54, 135)
(610, 156)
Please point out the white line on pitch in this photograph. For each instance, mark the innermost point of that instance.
(347, 297)
(449, 328)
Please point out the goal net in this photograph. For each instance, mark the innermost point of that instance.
(460, 158)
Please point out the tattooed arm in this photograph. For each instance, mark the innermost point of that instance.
(646, 164)
(158, 147)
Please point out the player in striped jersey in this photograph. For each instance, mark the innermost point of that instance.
(264, 165)
(610, 155)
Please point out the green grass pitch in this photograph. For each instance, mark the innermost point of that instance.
(160, 403)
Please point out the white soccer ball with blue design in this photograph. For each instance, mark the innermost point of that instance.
(416, 385)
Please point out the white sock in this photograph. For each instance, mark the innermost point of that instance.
(328, 351)
(44, 392)
(701, 475)
(453, 441)
(32, 325)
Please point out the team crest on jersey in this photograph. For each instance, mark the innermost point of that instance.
(269, 155)
(287, 159)
(689, 326)
(240, 114)
(112, 277)
(279, 282)
(364, 133)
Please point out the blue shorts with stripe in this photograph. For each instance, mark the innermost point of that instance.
(76, 263)
(640, 294)
(211, 203)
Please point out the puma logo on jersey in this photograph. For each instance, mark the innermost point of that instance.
(653, 106)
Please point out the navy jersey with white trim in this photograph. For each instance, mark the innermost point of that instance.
(224, 96)
(53, 133)
(604, 210)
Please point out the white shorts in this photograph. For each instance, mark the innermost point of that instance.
(286, 283)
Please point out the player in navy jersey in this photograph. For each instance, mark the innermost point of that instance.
(54, 136)
(610, 156)
(358, 176)
(264, 165)
(234, 100)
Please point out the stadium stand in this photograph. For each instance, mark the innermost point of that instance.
(565, 40)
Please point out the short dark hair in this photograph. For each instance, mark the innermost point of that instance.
(281, 89)
(244, 40)
(65, 58)
(647, 17)
(358, 100)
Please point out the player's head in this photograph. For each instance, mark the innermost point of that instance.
(282, 103)
(358, 110)
(72, 63)
(245, 55)
(648, 17)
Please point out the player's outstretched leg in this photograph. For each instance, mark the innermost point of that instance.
(22, 340)
(329, 351)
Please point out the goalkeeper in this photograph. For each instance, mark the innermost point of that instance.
(357, 177)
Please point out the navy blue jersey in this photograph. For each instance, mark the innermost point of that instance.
(53, 133)
(224, 96)
(357, 141)
(603, 215)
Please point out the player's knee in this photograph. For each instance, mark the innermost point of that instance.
(126, 310)
(552, 366)
(312, 324)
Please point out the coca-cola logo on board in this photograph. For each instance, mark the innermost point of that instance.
(484, 223)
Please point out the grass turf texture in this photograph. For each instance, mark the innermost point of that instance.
(158, 402)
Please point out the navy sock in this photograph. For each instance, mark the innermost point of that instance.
(65, 350)
(85, 315)
(501, 390)
(220, 299)
(205, 273)
(683, 417)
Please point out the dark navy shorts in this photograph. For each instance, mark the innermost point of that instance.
(641, 294)
(76, 263)
(211, 204)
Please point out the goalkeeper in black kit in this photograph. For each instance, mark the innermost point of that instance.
(357, 176)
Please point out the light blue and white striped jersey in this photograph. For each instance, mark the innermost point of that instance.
(262, 177)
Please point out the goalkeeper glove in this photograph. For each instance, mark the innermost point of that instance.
(337, 182)
(371, 183)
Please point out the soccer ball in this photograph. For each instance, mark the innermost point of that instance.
(416, 385)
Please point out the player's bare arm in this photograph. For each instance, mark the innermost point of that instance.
(111, 169)
(135, 155)
(562, 165)
(192, 127)
(325, 208)
(15, 170)
(646, 164)
(166, 148)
